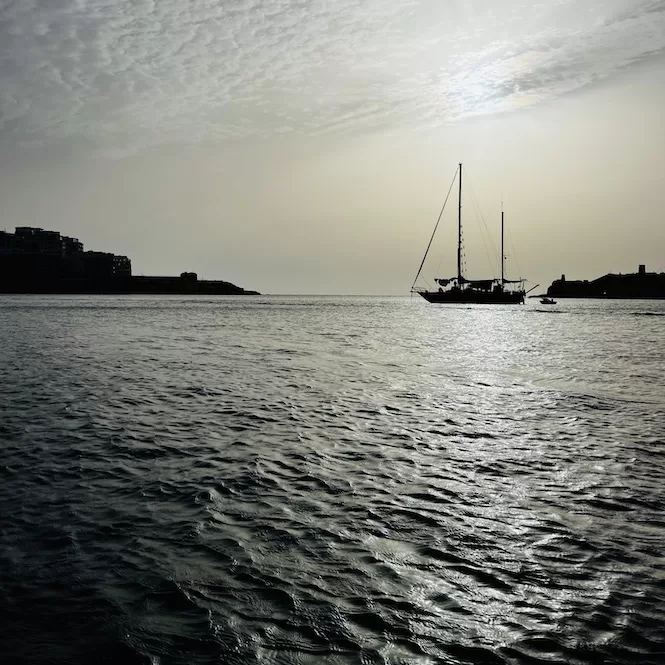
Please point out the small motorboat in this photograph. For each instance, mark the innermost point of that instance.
(547, 301)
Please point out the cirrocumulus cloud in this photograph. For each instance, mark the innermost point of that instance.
(123, 74)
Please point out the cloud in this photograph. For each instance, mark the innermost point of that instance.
(127, 74)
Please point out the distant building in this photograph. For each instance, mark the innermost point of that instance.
(640, 284)
(7, 242)
(34, 260)
(100, 265)
(71, 246)
(37, 260)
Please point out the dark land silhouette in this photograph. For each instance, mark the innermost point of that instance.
(640, 284)
(33, 260)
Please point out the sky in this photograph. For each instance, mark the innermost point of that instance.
(308, 146)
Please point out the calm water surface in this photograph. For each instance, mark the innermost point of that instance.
(331, 480)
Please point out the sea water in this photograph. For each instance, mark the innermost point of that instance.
(331, 480)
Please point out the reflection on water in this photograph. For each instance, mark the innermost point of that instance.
(331, 479)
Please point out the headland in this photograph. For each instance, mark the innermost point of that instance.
(637, 285)
(33, 260)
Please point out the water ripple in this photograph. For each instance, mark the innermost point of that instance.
(305, 480)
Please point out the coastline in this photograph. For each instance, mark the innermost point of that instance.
(124, 285)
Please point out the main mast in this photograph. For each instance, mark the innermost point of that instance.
(459, 229)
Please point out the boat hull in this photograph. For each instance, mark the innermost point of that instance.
(468, 296)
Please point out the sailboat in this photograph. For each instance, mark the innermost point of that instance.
(459, 289)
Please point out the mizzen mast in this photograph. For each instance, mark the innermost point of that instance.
(503, 256)
(459, 229)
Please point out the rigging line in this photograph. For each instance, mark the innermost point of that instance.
(438, 266)
(486, 234)
(483, 235)
(510, 239)
(422, 263)
(479, 212)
